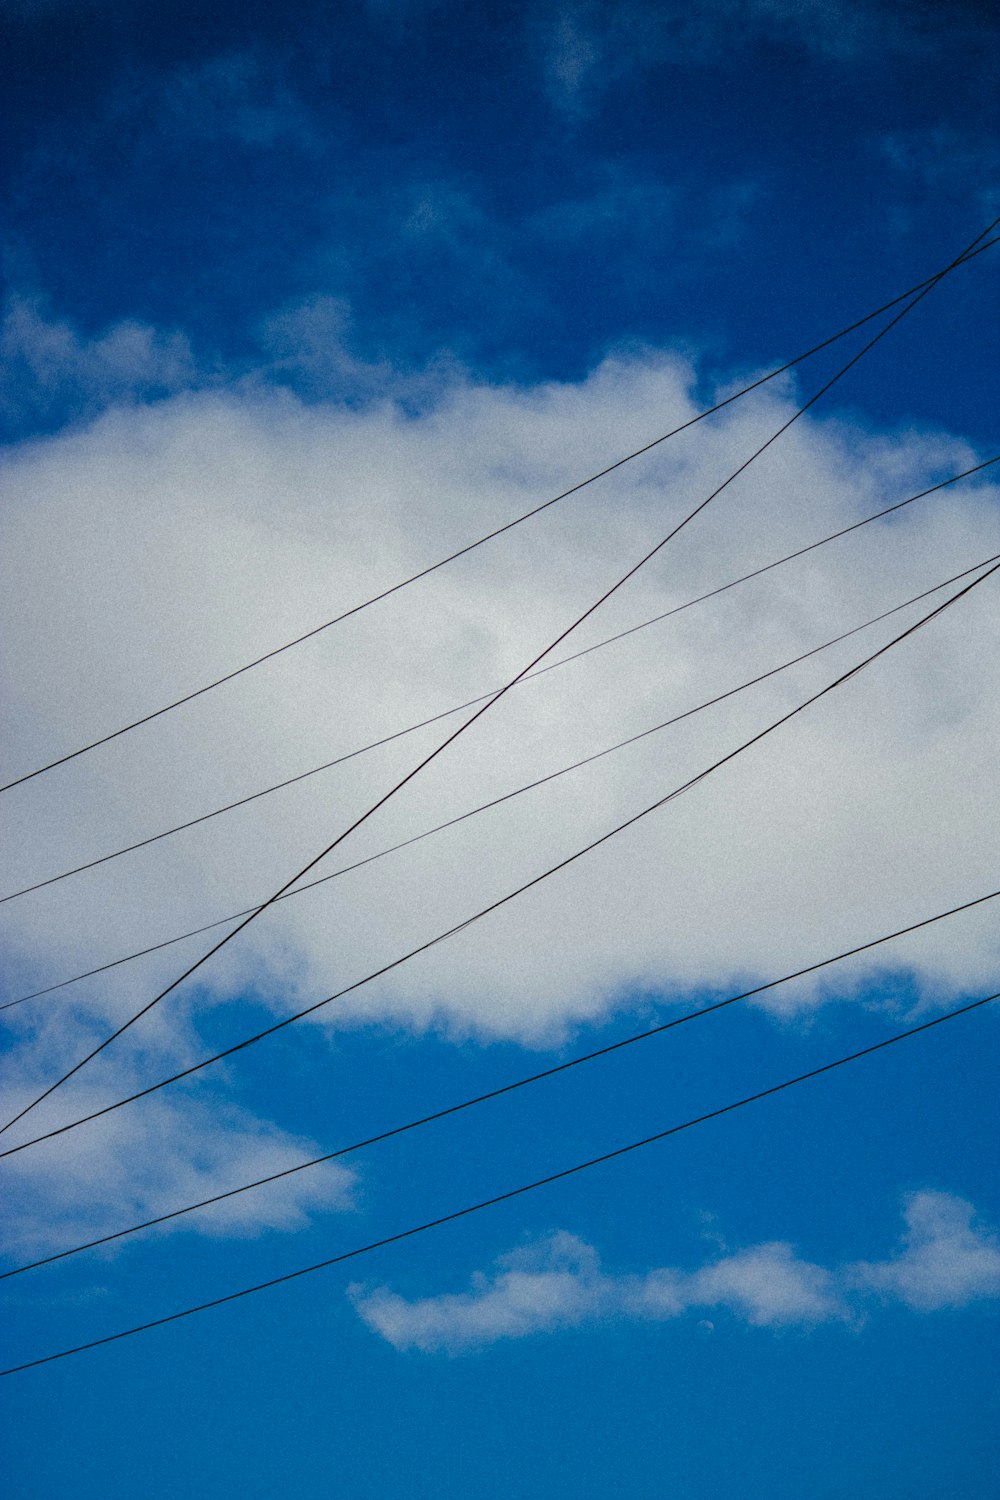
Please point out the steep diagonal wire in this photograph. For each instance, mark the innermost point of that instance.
(439, 749)
(228, 807)
(970, 254)
(527, 787)
(511, 895)
(507, 1088)
(517, 1192)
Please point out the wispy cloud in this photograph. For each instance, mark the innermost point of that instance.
(589, 46)
(237, 96)
(945, 1261)
(942, 160)
(47, 366)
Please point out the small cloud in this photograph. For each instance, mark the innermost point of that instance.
(769, 1287)
(559, 1283)
(945, 1260)
(124, 1170)
(556, 1284)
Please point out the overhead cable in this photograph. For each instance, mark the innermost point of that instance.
(974, 249)
(451, 932)
(518, 791)
(485, 708)
(507, 1088)
(278, 786)
(505, 1197)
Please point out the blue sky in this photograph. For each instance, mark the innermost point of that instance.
(295, 303)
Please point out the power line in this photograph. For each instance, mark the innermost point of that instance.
(507, 1088)
(518, 791)
(511, 895)
(278, 786)
(479, 712)
(922, 286)
(518, 1192)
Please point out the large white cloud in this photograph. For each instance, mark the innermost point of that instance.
(165, 544)
(559, 1283)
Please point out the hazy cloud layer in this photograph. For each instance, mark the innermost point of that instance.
(945, 1261)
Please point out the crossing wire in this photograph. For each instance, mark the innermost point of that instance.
(144, 843)
(518, 791)
(970, 254)
(511, 895)
(506, 1197)
(479, 712)
(507, 1088)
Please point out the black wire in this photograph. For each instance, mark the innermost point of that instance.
(278, 786)
(518, 1192)
(511, 895)
(507, 1088)
(529, 786)
(456, 733)
(921, 286)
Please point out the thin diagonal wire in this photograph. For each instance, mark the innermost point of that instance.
(511, 895)
(278, 786)
(449, 739)
(518, 1192)
(507, 1088)
(974, 250)
(517, 792)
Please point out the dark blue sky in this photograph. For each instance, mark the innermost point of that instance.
(518, 187)
(399, 201)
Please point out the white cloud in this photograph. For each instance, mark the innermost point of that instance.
(553, 1285)
(175, 1151)
(945, 1260)
(558, 1283)
(166, 544)
(768, 1286)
